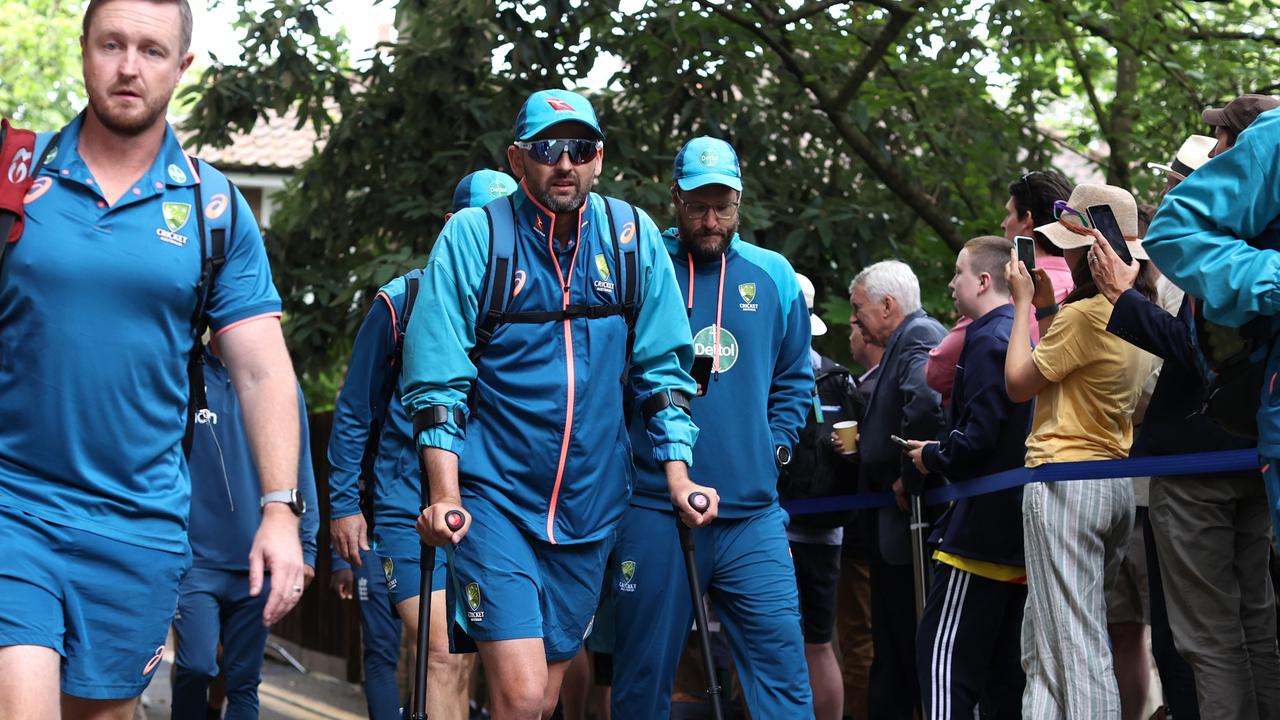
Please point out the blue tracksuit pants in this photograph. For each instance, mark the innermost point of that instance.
(380, 631)
(745, 566)
(213, 606)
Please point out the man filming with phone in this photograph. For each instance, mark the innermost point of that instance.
(749, 318)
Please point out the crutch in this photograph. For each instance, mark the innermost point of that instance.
(700, 502)
(454, 521)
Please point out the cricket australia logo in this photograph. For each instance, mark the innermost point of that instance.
(628, 570)
(704, 344)
(475, 614)
(602, 268)
(176, 216)
(389, 571)
(747, 291)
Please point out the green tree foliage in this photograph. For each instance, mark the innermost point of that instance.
(870, 129)
(40, 83)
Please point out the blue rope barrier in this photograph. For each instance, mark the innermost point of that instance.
(1190, 464)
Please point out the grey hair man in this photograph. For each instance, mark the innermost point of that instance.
(886, 306)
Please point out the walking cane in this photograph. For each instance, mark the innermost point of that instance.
(700, 502)
(454, 521)
(919, 563)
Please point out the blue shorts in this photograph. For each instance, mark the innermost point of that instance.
(504, 585)
(401, 562)
(104, 605)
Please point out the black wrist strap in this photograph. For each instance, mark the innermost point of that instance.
(1047, 311)
(435, 416)
(659, 401)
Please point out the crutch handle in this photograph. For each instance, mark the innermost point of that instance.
(699, 501)
(454, 520)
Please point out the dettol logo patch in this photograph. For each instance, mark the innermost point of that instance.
(704, 344)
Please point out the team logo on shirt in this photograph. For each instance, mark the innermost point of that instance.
(473, 602)
(628, 570)
(389, 571)
(602, 267)
(176, 216)
(747, 291)
(177, 174)
(704, 344)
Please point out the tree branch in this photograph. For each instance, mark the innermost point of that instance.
(1085, 77)
(862, 146)
(888, 34)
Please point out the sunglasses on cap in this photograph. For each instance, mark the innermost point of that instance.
(548, 152)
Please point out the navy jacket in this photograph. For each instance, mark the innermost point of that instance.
(988, 433)
(903, 405)
(1174, 423)
(225, 489)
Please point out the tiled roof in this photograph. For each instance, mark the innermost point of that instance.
(274, 145)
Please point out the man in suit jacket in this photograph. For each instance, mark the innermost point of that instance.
(886, 307)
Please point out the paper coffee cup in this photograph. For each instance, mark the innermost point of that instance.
(847, 431)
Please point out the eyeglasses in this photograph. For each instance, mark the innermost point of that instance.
(695, 210)
(1060, 208)
(548, 152)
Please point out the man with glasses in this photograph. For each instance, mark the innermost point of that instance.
(520, 422)
(747, 313)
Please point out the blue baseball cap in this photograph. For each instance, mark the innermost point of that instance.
(481, 187)
(552, 107)
(707, 161)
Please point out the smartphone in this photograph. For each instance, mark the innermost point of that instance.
(1102, 218)
(702, 372)
(900, 441)
(1026, 248)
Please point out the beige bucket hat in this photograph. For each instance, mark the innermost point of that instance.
(1071, 229)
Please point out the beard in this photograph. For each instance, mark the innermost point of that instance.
(126, 123)
(560, 203)
(706, 246)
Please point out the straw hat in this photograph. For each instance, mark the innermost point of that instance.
(1193, 153)
(1070, 231)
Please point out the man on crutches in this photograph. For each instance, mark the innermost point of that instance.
(372, 440)
(531, 311)
(751, 340)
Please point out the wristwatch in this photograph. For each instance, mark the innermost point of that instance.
(288, 497)
(782, 455)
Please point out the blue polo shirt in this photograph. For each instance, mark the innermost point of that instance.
(96, 305)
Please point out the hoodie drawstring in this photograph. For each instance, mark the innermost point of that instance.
(715, 360)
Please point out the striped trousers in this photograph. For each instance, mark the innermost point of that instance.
(968, 647)
(1075, 534)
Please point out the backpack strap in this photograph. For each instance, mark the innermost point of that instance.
(386, 394)
(626, 244)
(221, 214)
(499, 274)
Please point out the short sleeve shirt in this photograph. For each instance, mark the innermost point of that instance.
(96, 323)
(1086, 413)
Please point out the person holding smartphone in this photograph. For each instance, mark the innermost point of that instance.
(747, 313)
(967, 647)
(1086, 383)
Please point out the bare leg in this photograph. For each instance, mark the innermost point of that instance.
(29, 680)
(577, 683)
(75, 708)
(518, 678)
(1132, 660)
(825, 680)
(448, 675)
